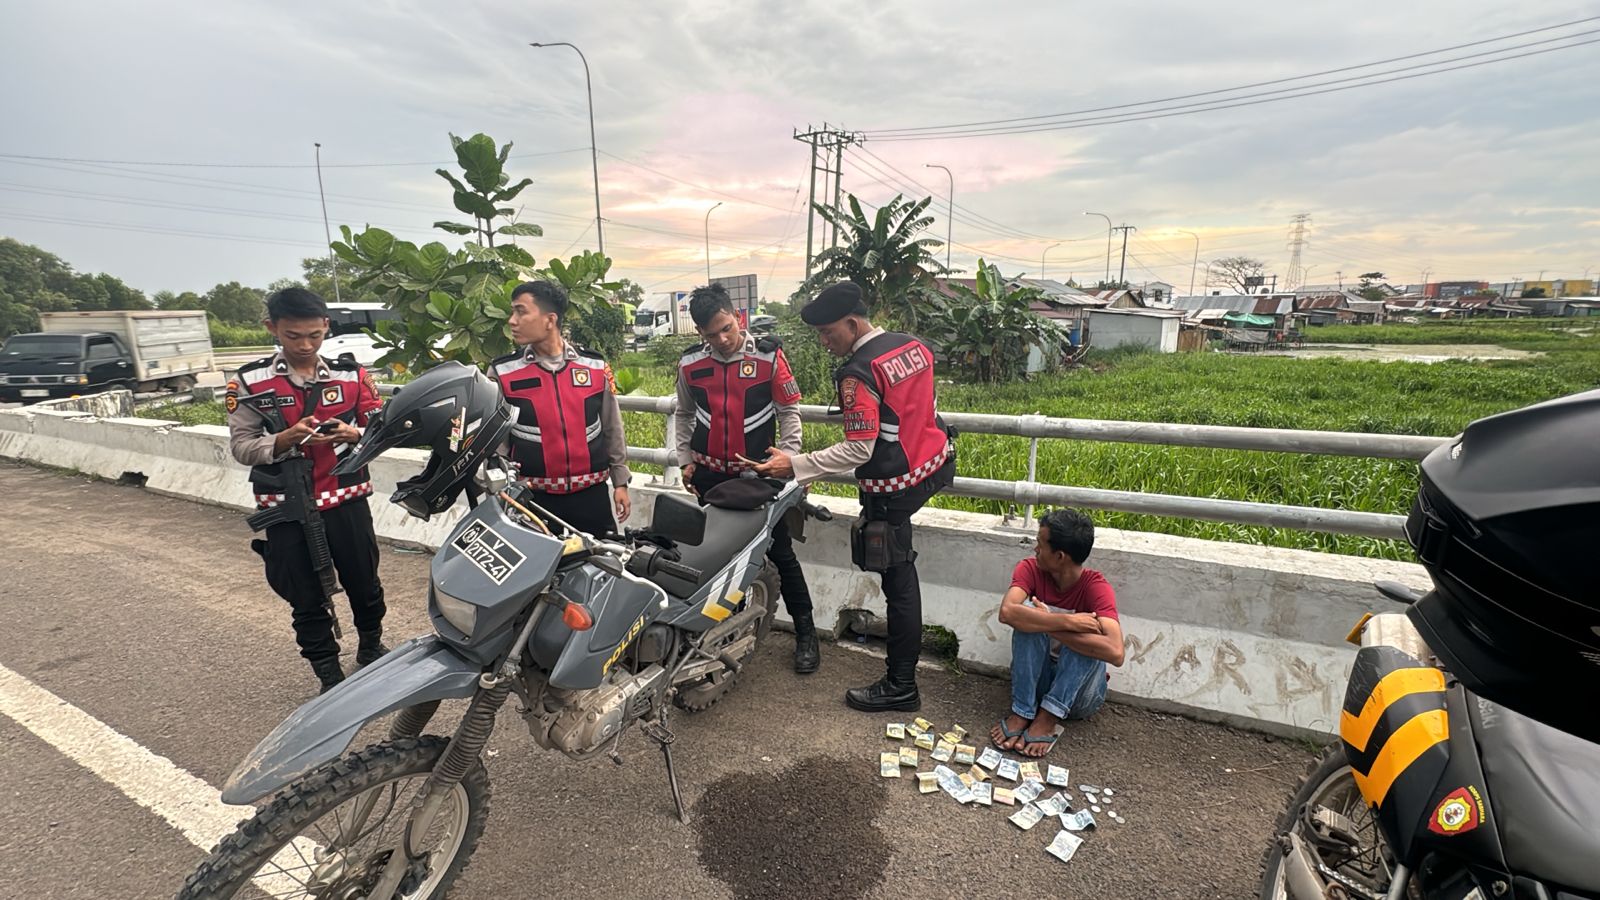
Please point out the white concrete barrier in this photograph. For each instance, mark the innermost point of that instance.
(1232, 632)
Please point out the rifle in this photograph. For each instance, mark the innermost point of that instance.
(294, 480)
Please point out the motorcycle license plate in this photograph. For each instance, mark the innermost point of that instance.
(34, 392)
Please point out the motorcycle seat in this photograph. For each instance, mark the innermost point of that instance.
(1543, 786)
(727, 532)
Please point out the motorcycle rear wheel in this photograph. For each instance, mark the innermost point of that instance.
(703, 695)
(258, 860)
(1328, 782)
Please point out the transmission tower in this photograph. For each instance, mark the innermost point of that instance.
(1297, 243)
(822, 140)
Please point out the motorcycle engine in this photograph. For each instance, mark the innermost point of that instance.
(581, 721)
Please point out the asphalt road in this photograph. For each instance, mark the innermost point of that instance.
(151, 615)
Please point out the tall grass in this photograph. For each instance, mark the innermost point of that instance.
(1520, 334)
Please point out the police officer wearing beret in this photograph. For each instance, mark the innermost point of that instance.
(902, 454)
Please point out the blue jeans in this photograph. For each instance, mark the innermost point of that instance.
(1071, 686)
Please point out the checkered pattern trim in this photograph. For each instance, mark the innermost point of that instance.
(324, 499)
(565, 485)
(726, 466)
(910, 479)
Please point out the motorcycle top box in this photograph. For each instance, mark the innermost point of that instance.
(1507, 522)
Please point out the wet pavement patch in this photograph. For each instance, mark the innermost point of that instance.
(806, 831)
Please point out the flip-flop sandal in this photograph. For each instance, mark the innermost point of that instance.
(1051, 740)
(1010, 735)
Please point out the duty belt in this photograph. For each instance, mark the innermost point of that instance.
(729, 466)
(565, 485)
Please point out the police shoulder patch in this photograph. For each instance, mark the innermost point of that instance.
(847, 390)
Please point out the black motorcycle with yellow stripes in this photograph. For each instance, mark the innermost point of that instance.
(1468, 765)
(596, 635)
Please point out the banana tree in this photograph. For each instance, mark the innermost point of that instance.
(989, 329)
(884, 255)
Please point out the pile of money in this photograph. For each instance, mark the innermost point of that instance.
(978, 773)
(927, 782)
(889, 764)
(983, 793)
(952, 784)
(966, 754)
(1028, 791)
(1030, 771)
(1005, 795)
(1065, 844)
(908, 756)
(895, 731)
(1008, 769)
(924, 740)
(1056, 775)
(944, 751)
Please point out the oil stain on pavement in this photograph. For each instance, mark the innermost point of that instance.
(802, 832)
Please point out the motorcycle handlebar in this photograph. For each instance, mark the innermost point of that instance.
(678, 570)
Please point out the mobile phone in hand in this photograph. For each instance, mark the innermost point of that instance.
(747, 460)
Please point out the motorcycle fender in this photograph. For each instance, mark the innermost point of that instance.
(417, 671)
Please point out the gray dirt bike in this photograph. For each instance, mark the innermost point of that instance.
(593, 636)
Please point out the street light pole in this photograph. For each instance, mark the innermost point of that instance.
(708, 241)
(333, 264)
(950, 214)
(1042, 256)
(1193, 265)
(1107, 279)
(594, 155)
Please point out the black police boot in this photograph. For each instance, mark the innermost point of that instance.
(896, 690)
(328, 672)
(370, 648)
(807, 655)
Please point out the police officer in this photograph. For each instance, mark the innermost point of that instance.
(308, 390)
(902, 455)
(736, 397)
(567, 440)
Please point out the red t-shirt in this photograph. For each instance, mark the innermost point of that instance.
(1091, 592)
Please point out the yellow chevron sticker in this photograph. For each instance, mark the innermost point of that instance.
(1401, 750)
(1357, 730)
(717, 610)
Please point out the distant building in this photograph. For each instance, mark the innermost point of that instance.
(1153, 328)
(1155, 292)
(1446, 290)
(1561, 287)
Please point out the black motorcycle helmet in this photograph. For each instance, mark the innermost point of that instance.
(455, 411)
(1507, 522)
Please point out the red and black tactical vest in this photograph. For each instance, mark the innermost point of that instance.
(736, 402)
(342, 389)
(557, 443)
(886, 391)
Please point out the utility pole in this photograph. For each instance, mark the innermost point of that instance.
(821, 141)
(333, 264)
(1297, 243)
(1044, 254)
(1122, 270)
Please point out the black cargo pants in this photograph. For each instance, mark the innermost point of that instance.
(902, 590)
(354, 548)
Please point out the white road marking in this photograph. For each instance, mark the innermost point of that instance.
(156, 783)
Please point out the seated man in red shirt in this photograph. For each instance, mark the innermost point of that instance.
(1064, 632)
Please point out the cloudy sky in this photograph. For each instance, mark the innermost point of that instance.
(1487, 172)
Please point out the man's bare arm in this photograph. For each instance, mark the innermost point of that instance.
(1025, 615)
(1105, 645)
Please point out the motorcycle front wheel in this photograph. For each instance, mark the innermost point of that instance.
(330, 834)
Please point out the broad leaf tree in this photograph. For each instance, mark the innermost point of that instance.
(884, 255)
(988, 329)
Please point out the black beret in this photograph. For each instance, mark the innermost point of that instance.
(744, 493)
(834, 303)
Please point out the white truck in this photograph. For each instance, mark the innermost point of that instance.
(661, 315)
(85, 352)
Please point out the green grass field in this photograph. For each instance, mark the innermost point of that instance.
(1222, 389)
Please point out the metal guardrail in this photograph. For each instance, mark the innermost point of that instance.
(1030, 492)
(1034, 427)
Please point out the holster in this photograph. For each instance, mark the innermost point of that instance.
(877, 545)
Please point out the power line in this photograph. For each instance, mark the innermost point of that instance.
(888, 131)
(724, 194)
(207, 165)
(1175, 112)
